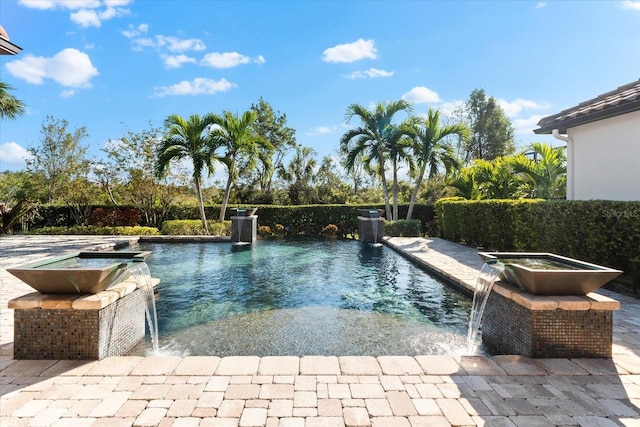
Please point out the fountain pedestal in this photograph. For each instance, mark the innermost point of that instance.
(371, 225)
(59, 326)
(517, 322)
(244, 229)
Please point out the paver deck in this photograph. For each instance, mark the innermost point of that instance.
(312, 391)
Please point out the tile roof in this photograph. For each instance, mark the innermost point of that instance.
(624, 99)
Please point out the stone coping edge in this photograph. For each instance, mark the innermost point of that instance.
(36, 300)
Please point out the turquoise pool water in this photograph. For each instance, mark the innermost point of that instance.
(301, 298)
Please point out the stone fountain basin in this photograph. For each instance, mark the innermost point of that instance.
(78, 273)
(551, 274)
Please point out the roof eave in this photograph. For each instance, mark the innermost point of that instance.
(563, 125)
(8, 48)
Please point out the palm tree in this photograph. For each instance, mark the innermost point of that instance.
(237, 137)
(10, 107)
(188, 139)
(373, 140)
(430, 149)
(546, 172)
(496, 179)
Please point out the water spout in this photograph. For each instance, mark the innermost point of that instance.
(489, 273)
(373, 216)
(142, 275)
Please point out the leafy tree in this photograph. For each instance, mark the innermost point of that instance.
(10, 106)
(130, 169)
(371, 141)
(59, 157)
(236, 136)
(188, 140)
(496, 179)
(300, 174)
(545, 173)
(431, 150)
(273, 128)
(329, 185)
(491, 131)
(464, 183)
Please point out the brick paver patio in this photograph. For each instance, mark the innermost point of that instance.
(322, 391)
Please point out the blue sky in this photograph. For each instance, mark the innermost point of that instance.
(114, 66)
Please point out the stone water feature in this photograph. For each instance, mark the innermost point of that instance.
(88, 305)
(244, 226)
(544, 306)
(371, 225)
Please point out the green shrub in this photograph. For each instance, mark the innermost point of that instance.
(98, 231)
(402, 228)
(598, 231)
(193, 227)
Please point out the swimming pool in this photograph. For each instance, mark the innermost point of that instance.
(320, 297)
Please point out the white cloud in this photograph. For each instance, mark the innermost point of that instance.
(64, 4)
(229, 59)
(177, 60)
(633, 5)
(421, 95)
(541, 4)
(512, 109)
(170, 43)
(321, 130)
(68, 93)
(371, 73)
(89, 13)
(197, 86)
(69, 67)
(135, 31)
(449, 108)
(526, 126)
(350, 52)
(13, 154)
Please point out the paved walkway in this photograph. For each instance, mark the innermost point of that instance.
(318, 391)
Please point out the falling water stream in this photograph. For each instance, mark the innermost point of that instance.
(489, 273)
(142, 275)
(373, 216)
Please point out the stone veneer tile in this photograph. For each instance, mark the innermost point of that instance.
(59, 302)
(238, 365)
(156, 365)
(518, 365)
(570, 302)
(601, 302)
(279, 365)
(27, 301)
(319, 365)
(399, 365)
(95, 302)
(359, 365)
(438, 365)
(197, 365)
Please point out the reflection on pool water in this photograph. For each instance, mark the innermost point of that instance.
(325, 297)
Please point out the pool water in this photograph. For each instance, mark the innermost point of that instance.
(324, 297)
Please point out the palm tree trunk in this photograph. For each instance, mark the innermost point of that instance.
(414, 195)
(395, 189)
(385, 190)
(227, 192)
(203, 216)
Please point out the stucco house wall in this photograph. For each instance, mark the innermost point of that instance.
(606, 159)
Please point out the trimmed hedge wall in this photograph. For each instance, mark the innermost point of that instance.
(598, 231)
(307, 219)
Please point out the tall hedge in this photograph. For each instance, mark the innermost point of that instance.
(599, 231)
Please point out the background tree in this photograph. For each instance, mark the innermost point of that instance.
(272, 127)
(496, 179)
(300, 175)
(491, 131)
(10, 106)
(236, 137)
(59, 156)
(431, 150)
(188, 140)
(545, 172)
(128, 175)
(369, 142)
(330, 187)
